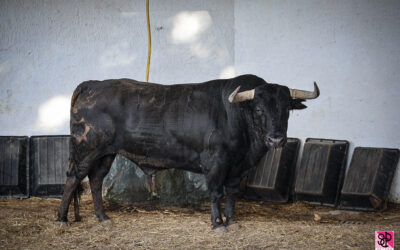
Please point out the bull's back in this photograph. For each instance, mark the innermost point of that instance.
(142, 121)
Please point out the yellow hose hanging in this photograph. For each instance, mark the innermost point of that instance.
(149, 36)
(153, 176)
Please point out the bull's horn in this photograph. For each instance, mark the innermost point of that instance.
(303, 94)
(235, 97)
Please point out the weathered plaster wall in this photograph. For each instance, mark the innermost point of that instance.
(351, 48)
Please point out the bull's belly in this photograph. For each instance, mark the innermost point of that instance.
(152, 162)
(152, 147)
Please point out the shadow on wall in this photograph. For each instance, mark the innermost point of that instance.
(206, 41)
(118, 55)
(188, 28)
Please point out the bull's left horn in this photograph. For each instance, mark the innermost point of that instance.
(303, 94)
(235, 97)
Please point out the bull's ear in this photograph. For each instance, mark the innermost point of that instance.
(297, 104)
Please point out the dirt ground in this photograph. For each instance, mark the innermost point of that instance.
(28, 224)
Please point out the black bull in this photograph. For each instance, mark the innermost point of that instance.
(208, 128)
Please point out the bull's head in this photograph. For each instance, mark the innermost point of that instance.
(270, 105)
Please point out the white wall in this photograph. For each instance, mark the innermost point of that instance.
(351, 48)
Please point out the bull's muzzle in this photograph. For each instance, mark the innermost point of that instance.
(275, 141)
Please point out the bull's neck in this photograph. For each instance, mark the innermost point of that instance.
(240, 119)
(257, 147)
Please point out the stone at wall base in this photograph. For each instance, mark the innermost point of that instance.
(126, 183)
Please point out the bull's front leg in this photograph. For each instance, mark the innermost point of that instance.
(215, 179)
(216, 218)
(231, 193)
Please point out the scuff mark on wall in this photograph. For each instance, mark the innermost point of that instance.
(5, 67)
(5, 104)
(4, 108)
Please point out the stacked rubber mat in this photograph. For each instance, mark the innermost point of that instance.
(321, 176)
(34, 166)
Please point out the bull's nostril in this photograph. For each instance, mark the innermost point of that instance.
(275, 140)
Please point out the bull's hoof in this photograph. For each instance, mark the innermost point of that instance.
(233, 226)
(78, 219)
(106, 223)
(62, 224)
(220, 229)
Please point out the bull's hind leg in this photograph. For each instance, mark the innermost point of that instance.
(70, 187)
(75, 174)
(96, 176)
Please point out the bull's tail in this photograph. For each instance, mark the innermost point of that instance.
(77, 197)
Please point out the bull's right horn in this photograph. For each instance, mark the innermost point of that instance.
(235, 97)
(303, 94)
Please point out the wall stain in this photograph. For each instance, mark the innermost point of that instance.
(4, 108)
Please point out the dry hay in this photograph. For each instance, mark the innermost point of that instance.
(28, 223)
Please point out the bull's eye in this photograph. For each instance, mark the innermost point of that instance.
(259, 111)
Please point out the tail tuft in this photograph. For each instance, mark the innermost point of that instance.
(77, 197)
(79, 191)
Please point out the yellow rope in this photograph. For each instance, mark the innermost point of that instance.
(149, 35)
